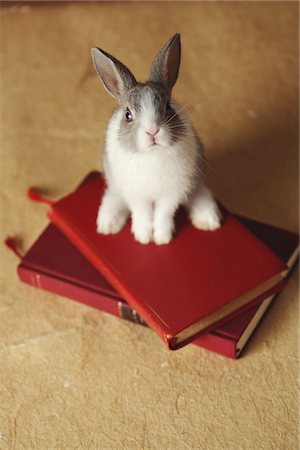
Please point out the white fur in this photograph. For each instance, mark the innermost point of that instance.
(151, 182)
(148, 123)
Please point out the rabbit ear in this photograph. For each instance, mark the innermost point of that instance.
(165, 67)
(116, 78)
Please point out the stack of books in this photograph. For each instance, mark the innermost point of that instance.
(206, 288)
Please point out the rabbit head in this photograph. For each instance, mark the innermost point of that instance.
(147, 117)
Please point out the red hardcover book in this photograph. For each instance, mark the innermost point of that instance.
(54, 264)
(182, 289)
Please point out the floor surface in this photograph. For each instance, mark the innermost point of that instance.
(72, 377)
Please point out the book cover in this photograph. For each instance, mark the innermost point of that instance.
(181, 289)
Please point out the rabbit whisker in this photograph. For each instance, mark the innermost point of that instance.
(187, 122)
(187, 141)
(185, 107)
(183, 133)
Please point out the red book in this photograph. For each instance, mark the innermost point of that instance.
(182, 289)
(74, 277)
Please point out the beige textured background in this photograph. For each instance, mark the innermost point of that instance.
(75, 378)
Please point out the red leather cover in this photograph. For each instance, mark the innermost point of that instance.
(170, 286)
(63, 286)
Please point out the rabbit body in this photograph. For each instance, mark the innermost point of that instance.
(152, 158)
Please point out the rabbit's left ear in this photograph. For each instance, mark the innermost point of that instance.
(165, 67)
(115, 76)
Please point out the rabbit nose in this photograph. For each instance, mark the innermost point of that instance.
(152, 133)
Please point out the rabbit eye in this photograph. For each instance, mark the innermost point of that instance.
(128, 115)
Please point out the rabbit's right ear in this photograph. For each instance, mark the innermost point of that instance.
(115, 76)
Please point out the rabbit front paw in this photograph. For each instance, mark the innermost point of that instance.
(142, 234)
(141, 225)
(207, 218)
(110, 222)
(163, 235)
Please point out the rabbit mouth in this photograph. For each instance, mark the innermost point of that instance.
(155, 143)
(152, 147)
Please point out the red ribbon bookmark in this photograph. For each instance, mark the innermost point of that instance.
(12, 245)
(35, 196)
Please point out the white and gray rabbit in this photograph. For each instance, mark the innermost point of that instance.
(153, 159)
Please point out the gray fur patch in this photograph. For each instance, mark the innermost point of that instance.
(165, 115)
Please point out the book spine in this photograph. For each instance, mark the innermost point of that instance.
(78, 293)
(128, 313)
(219, 344)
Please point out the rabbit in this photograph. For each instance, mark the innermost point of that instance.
(153, 158)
